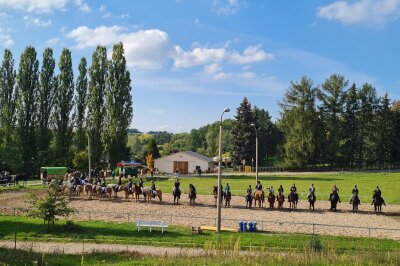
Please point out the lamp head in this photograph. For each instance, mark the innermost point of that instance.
(227, 110)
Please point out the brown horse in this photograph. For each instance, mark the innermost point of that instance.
(117, 189)
(281, 199)
(271, 200)
(227, 197)
(259, 196)
(88, 188)
(102, 193)
(215, 192)
(311, 200)
(148, 194)
(293, 198)
(137, 191)
(192, 197)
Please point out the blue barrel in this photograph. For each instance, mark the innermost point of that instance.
(255, 227)
(241, 226)
(250, 226)
(244, 227)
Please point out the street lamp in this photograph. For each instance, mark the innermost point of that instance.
(88, 145)
(226, 110)
(255, 128)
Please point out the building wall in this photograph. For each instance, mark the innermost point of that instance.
(166, 164)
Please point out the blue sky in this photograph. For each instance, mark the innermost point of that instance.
(189, 59)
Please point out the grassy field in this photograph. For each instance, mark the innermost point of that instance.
(388, 182)
(29, 229)
(231, 258)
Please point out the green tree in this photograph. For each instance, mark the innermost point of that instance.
(366, 117)
(50, 207)
(396, 131)
(299, 123)
(80, 105)
(118, 107)
(350, 136)
(151, 148)
(81, 161)
(95, 103)
(28, 83)
(332, 97)
(47, 86)
(8, 96)
(384, 132)
(243, 134)
(63, 105)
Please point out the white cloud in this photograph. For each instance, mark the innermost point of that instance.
(5, 39)
(39, 6)
(146, 49)
(36, 21)
(84, 7)
(53, 41)
(226, 7)
(251, 54)
(375, 12)
(222, 75)
(202, 56)
(247, 75)
(124, 16)
(212, 69)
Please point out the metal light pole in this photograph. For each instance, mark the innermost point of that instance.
(254, 126)
(90, 164)
(226, 110)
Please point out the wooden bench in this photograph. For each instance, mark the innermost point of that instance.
(151, 224)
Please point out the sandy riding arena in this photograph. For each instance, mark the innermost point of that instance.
(321, 221)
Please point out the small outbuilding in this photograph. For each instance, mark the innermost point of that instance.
(185, 162)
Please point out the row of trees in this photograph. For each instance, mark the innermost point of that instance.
(333, 124)
(46, 116)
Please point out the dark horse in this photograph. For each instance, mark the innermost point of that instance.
(136, 191)
(227, 197)
(355, 200)
(334, 198)
(177, 195)
(271, 200)
(192, 196)
(249, 200)
(293, 198)
(215, 192)
(281, 199)
(378, 201)
(311, 200)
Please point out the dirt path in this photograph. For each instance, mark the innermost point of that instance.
(343, 222)
(80, 248)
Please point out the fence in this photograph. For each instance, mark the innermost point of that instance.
(263, 225)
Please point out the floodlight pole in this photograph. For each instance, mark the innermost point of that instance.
(90, 164)
(254, 126)
(226, 110)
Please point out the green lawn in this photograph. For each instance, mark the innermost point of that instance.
(18, 257)
(388, 182)
(29, 229)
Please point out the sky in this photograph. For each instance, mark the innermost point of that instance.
(189, 59)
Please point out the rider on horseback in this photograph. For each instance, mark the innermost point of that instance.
(141, 184)
(153, 189)
(280, 190)
(354, 192)
(335, 190)
(293, 189)
(227, 189)
(176, 185)
(192, 189)
(271, 190)
(311, 190)
(130, 185)
(377, 194)
(249, 193)
(104, 186)
(258, 186)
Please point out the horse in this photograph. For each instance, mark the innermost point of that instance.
(177, 195)
(249, 200)
(215, 192)
(311, 199)
(378, 201)
(293, 199)
(117, 189)
(259, 196)
(192, 197)
(148, 194)
(280, 198)
(271, 200)
(227, 197)
(137, 191)
(103, 193)
(355, 200)
(88, 188)
(333, 198)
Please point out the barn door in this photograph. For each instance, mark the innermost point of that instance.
(183, 167)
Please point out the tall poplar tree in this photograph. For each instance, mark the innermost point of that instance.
(80, 103)
(28, 83)
(63, 105)
(46, 97)
(243, 135)
(332, 97)
(8, 96)
(299, 123)
(95, 103)
(118, 107)
(384, 132)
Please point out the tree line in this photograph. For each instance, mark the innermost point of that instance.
(47, 117)
(334, 124)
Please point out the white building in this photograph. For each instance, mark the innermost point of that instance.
(186, 162)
